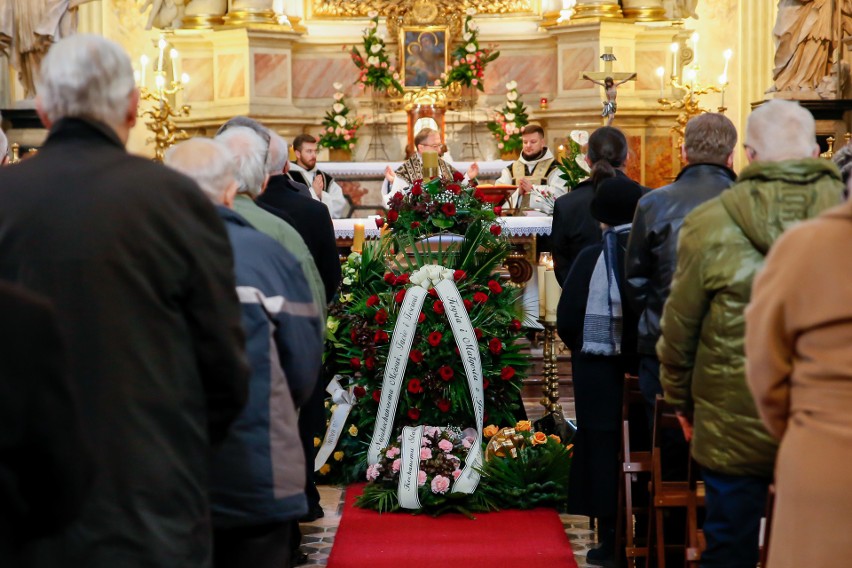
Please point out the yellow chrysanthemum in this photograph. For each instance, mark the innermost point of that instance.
(325, 469)
(353, 430)
(317, 442)
(338, 456)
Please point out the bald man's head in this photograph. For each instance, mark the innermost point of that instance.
(209, 164)
(780, 130)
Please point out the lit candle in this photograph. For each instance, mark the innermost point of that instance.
(660, 72)
(160, 81)
(358, 238)
(695, 38)
(552, 293)
(184, 78)
(430, 164)
(727, 54)
(173, 55)
(144, 60)
(545, 260)
(162, 45)
(674, 49)
(561, 153)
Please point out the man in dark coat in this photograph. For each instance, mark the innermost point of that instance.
(708, 151)
(139, 268)
(45, 467)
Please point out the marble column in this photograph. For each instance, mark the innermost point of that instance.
(242, 12)
(644, 10)
(597, 9)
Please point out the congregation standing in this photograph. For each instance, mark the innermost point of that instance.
(173, 317)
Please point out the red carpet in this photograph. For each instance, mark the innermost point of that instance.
(528, 539)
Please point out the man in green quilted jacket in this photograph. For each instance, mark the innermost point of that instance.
(722, 246)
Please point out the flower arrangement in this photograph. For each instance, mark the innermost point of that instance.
(434, 387)
(573, 164)
(469, 59)
(374, 64)
(507, 123)
(340, 126)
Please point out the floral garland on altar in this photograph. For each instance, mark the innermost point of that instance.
(339, 128)
(469, 58)
(507, 123)
(375, 68)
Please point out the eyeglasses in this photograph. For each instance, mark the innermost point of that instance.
(435, 146)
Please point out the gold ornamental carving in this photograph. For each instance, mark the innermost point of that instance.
(360, 8)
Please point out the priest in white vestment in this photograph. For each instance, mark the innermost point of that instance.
(535, 173)
(323, 187)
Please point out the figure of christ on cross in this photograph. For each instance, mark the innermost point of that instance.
(610, 82)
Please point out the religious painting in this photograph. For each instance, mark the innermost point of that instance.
(424, 55)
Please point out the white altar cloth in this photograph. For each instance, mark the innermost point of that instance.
(373, 170)
(512, 226)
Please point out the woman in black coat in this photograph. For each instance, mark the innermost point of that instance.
(603, 349)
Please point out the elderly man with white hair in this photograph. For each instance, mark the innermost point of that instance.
(258, 475)
(138, 266)
(722, 246)
(250, 152)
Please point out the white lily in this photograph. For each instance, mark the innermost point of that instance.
(581, 137)
(512, 96)
(337, 86)
(337, 107)
(372, 14)
(470, 11)
(466, 36)
(377, 47)
(511, 85)
(580, 160)
(510, 116)
(341, 120)
(373, 60)
(470, 48)
(338, 96)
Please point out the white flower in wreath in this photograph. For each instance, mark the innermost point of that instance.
(510, 116)
(581, 137)
(373, 60)
(337, 107)
(337, 86)
(512, 96)
(429, 276)
(511, 85)
(341, 120)
(338, 96)
(470, 48)
(377, 47)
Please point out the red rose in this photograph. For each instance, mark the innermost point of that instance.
(438, 307)
(415, 224)
(414, 413)
(414, 386)
(477, 332)
(498, 210)
(480, 297)
(446, 372)
(433, 292)
(454, 188)
(400, 296)
(373, 300)
(359, 391)
(381, 317)
(468, 305)
(377, 395)
(456, 349)
(496, 230)
(418, 183)
(390, 278)
(421, 318)
(353, 335)
(495, 346)
(459, 275)
(485, 384)
(355, 363)
(458, 176)
(401, 279)
(448, 209)
(370, 363)
(507, 373)
(380, 222)
(392, 216)
(443, 405)
(380, 337)
(494, 286)
(416, 190)
(478, 195)
(416, 355)
(396, 198)
(515, 326)
(435, 338)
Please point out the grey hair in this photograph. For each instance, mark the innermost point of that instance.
(781, 130)
(205, 161)
(86, 76)
(259, 129)
(278, 154)
(248, 151)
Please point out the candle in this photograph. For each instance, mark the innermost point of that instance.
(184, 78)
(552, 292)
(173, 55)
(144, 60)
(561, 155)
(660, 72)
(543, 103)
(162, 45)
(358, 238)
(727, 54)
(674, 49)
(430, 164)
(695, 38)
(540, 270)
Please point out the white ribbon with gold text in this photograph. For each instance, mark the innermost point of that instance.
(409, 469)
(345, 400)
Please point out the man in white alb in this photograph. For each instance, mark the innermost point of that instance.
(323, 187)
(535, 173)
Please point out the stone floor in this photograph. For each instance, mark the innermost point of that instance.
(319, 535)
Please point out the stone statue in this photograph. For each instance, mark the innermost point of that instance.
(165, 14)
(805, 43)
(680, 9)
(29, 27)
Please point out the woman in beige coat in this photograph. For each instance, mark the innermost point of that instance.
(799, 369)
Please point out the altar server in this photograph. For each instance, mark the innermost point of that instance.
(323, 187)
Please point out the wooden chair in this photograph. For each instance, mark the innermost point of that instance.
(695, 543)
(634, 463)
(667, 494)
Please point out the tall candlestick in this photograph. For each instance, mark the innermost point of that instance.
(430, 164)
(552, 293)
(358, 238)
(674, 49)
(144, 60)
(162, 45)
(173, 55)
(660, 72)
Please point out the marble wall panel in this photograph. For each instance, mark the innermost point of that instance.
(534, 74)
(232, 76)
(635, 159)
(576, 60)
(271, 77)
(200, 86)
(313, 77)
(646, 69)
(659, 161)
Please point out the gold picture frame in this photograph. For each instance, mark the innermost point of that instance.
(424, 55)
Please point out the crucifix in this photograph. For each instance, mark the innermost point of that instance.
(610, 81)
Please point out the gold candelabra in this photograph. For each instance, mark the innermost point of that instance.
(550, 388)
(159, 118)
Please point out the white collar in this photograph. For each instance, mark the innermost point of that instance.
(547, 155)
(298, 168)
